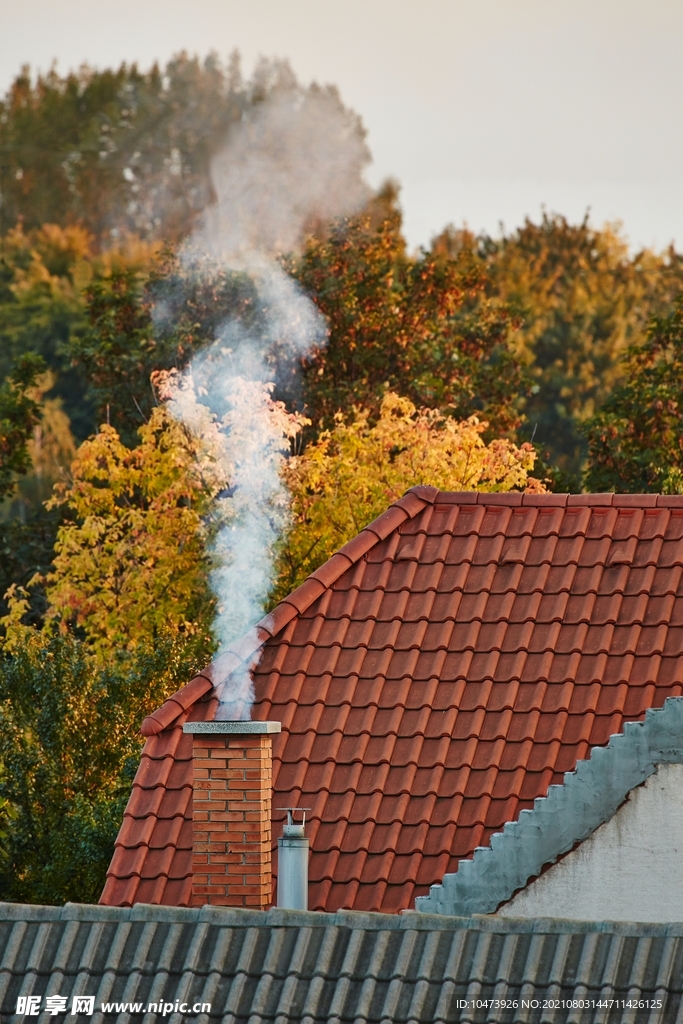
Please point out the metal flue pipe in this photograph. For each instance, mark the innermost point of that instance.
(292, 862)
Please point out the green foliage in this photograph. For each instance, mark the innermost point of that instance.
(422, 326)
(116, 150)
(581, 300)
(44, 276)
(26, 551)
(635, 442)
(19, 413)
(69, 746)
(124, 151)
(115, 349)
(141, 323)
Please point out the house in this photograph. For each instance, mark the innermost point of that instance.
(215, 964)
(454, 690)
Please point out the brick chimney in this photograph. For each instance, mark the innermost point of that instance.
(231, 812)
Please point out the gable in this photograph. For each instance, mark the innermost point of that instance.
(629, 869)
(433, 680)
(568, 815)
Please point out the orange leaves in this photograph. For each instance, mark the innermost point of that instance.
(420, 325)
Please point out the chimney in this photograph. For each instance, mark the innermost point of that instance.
(292, 862)
(232, 782)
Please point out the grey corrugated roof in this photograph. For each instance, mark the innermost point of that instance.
(569, 813)
(285, 966)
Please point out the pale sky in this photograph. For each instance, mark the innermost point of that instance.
(484, 110)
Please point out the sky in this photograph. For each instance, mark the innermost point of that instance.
(485, 111)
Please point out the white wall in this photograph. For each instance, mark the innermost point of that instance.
(629, 869)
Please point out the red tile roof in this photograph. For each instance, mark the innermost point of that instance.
(432, 679)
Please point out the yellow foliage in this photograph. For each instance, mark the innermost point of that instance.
(52, 446)
(64, 260)
(16, 632)
(353, 472)
(133, 562)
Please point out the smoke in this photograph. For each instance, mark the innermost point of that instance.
(294, 161)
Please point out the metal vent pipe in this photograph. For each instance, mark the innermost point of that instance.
(292, 862)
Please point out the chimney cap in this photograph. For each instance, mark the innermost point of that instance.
(291, 829)
(232, 727)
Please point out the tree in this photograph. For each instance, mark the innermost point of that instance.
(115, 351)
(28, 530)
(19, 414)
(124, 151)
(45, 276)
(26, 549)
(69, 748)
(635, 442)
(133, 561)
(40, 304)
(51, 450)
(144, 320)
(581, 300)
(355, 470)
(421, 326)
(127, 622)
(115, 150)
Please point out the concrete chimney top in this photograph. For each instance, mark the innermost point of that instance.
(239, 728)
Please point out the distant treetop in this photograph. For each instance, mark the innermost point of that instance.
(124, 151)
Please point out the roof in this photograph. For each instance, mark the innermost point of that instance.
(433, 678)
(566, 816)
(289, 966)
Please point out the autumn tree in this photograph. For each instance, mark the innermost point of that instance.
(635, 442)
(45, 275)
(581, 299)
(421, 326)
(355, 469)
(131, 560)
(139, 322)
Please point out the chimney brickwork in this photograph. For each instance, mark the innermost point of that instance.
(231, 813)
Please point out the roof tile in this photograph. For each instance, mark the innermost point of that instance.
(592, 500)
(545, 500)
(388, 522)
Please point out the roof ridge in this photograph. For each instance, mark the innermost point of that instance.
(367, 921)
(571, 811)
(280, 917)
(517, 498)
(413, 501)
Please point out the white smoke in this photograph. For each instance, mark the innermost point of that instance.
(294, 161)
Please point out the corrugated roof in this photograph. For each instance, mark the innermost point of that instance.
(433, 679)
(288, 966)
